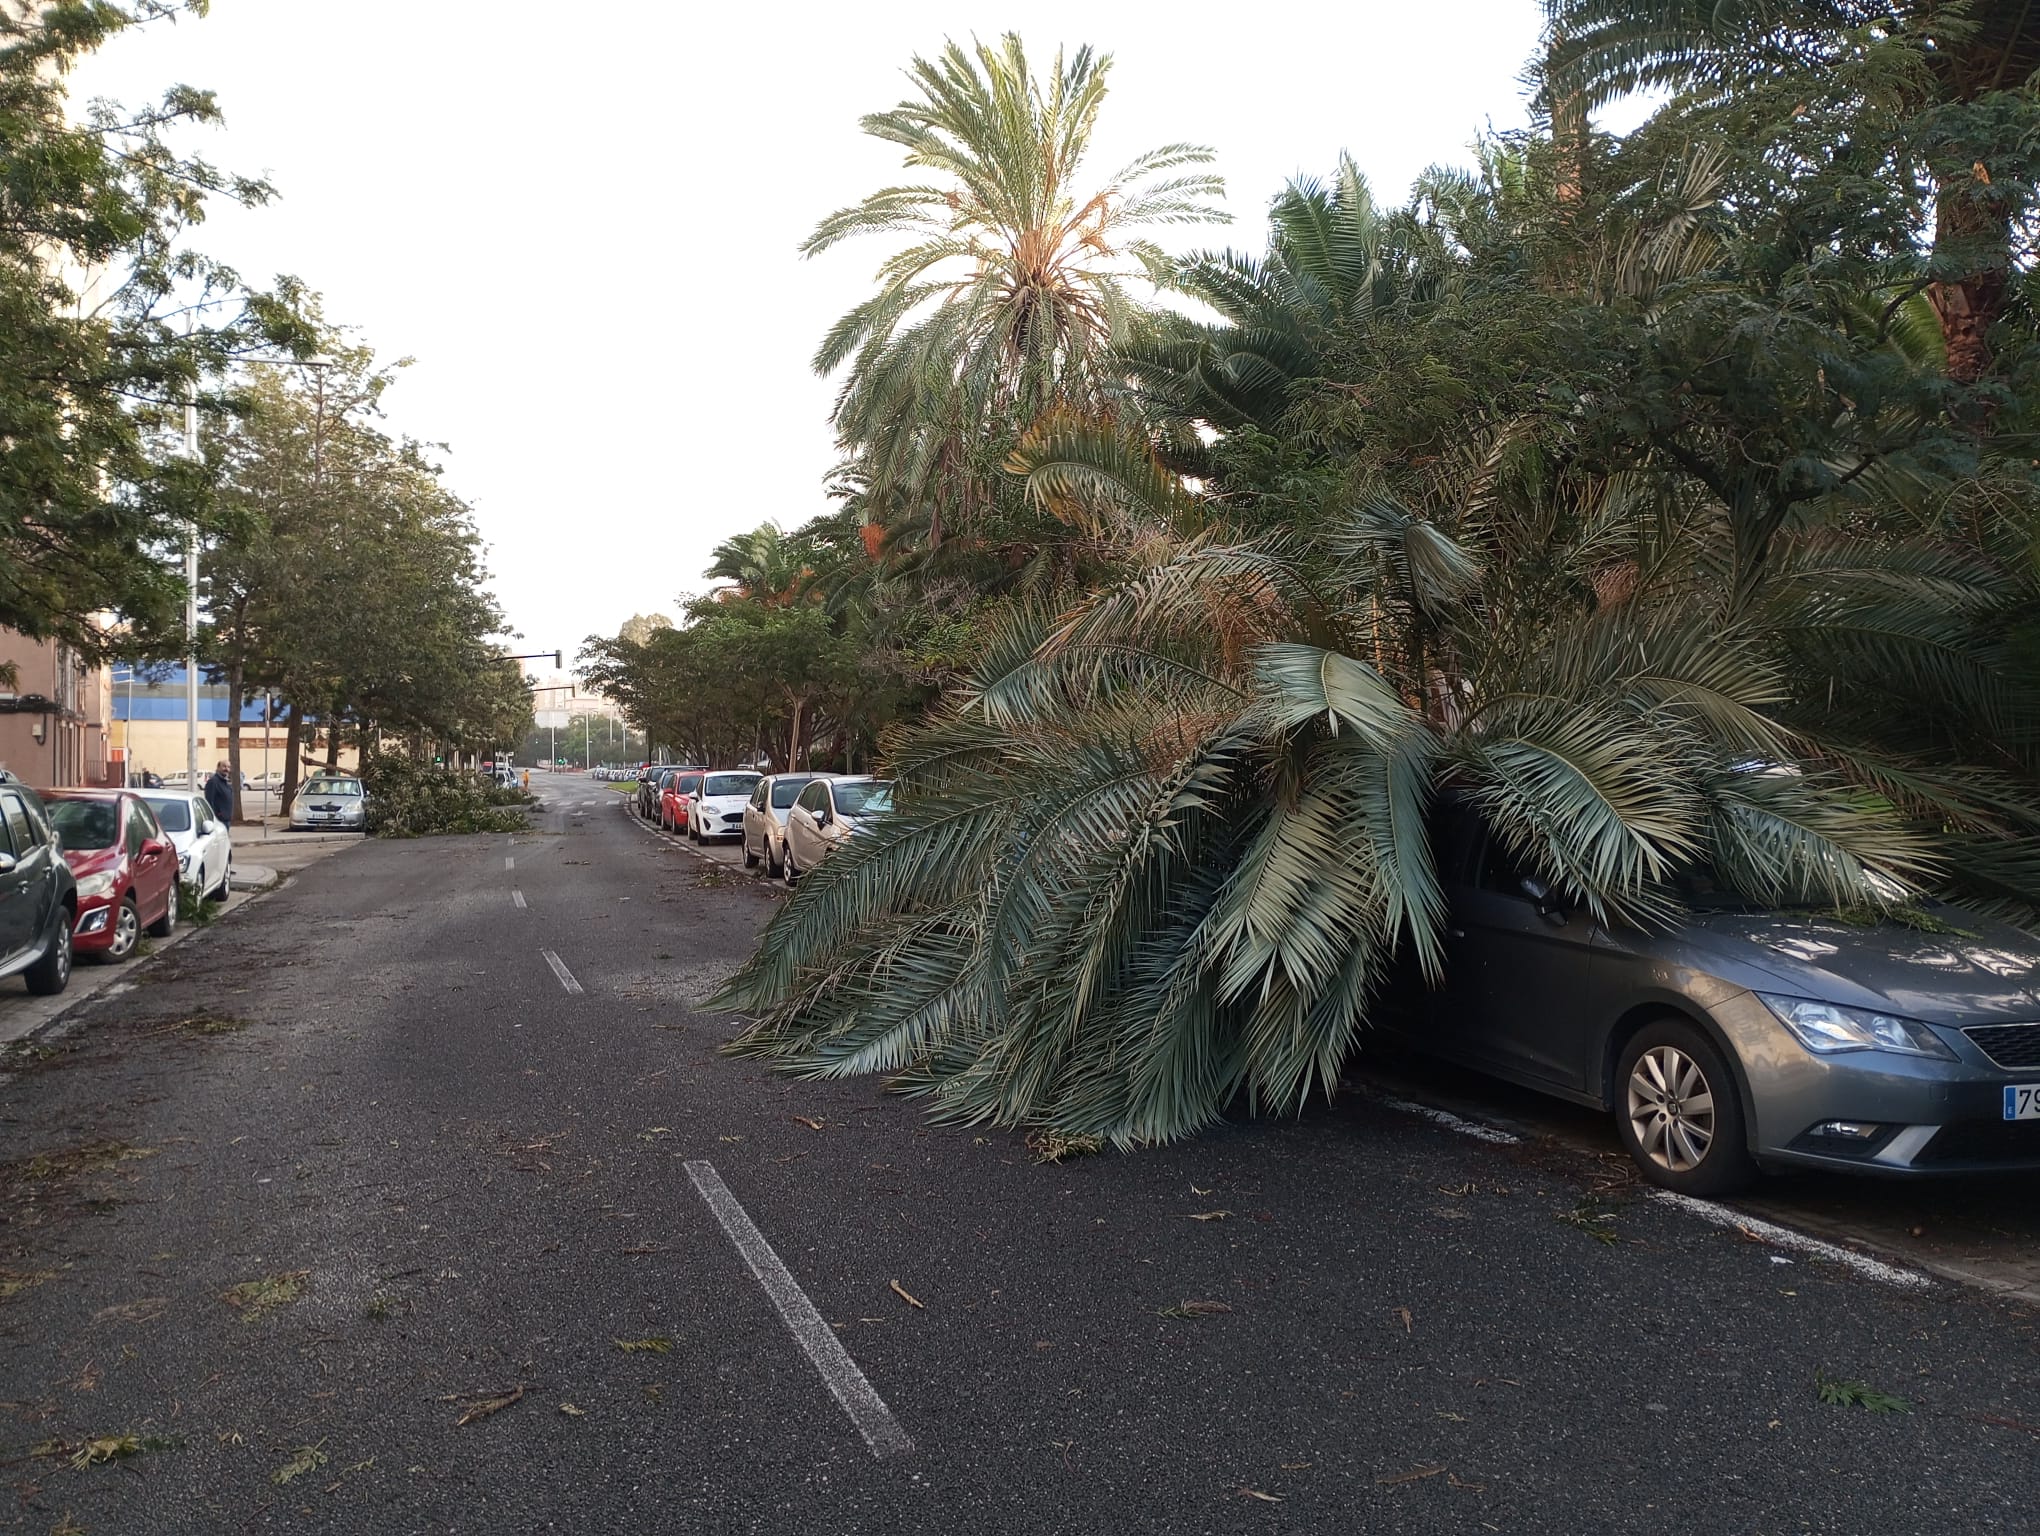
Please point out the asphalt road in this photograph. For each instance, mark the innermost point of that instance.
(446, 1137)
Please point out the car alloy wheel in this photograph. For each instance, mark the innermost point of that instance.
(127, 930)
(1671, 1109)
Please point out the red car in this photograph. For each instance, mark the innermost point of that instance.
(676, 799)
(125, 864)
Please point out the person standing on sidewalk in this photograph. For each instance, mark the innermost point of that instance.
(219, 794)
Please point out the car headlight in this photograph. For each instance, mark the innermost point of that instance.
(183, 863)
(1829, 1028)
(100, 884)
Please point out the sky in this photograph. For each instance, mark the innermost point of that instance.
(582, 221)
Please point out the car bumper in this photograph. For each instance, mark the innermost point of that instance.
(93, 930)
(1926, 1116)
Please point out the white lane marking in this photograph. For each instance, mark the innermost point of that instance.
(1450, 1121)
(817, 1340)
(559, 969)
(517, 898)
(1706, 1210)
(509, 861)
(1798, 1242)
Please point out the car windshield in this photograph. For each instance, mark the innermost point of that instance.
(729, 783)
(786, 791)
(864, 799)
(174, 814)
(343, 788)
(86, 823)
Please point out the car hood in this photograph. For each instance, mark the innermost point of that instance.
(724, 802)
(1965, 970)
(90, 861)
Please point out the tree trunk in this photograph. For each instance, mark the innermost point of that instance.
(793, 762)
(1971, 227)
(293, 741)
(333, 740)
(236, 701)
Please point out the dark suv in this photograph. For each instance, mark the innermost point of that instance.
(38, 895)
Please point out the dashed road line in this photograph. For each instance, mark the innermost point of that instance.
(559, 969)
(517, 898)
(509, 861)
(817, 1340)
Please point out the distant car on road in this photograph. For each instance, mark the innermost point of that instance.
(677, 797)
(38, 894)
(205, 847)
(335, 801)
(717, 810)
(125, 864)
(828, 812)
(1746, 1037)
(765, 819)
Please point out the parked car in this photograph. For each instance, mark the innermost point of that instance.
(827, 812)
(717, 809)
(765, 814)
(38, 894)
(1747, 1037)
(650, 782)
(205, 846)
(125, 865)
(677, 796)
(332, 800)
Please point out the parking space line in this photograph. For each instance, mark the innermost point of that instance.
(509, 861)
(1785, 1237)
(559, 969)
(517, 898)
(817, 1340)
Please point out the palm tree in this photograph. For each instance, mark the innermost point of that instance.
(1161, 852)
(764, 564)
(1014, 279)
(1959, 74)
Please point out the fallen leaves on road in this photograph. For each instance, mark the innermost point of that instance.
(479, 1408)
(572, 1412)
(1194, 1309)
(96, 1450)
(145, 1310)
(1209, 1215)
(1265, 1498)
(658, 1344)
(309, 1458)
(813, 1125)
(14, 1281)
(903, 1294)
(258, 1298)
(1054, 1147)
(1414, 1475)
(1408, 1323)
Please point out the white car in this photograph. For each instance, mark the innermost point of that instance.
(205, 846)
(717, 809)
(826, 813)
(765, 819)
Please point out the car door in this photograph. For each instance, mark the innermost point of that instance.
(206, 859)
(1515, 996)
(153, 863)
(20, 912)
(757, 812)
(803, 836)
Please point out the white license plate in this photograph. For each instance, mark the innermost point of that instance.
(2023, 1102)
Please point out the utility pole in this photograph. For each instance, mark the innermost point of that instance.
(191, 608)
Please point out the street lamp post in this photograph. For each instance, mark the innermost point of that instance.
(191, 608)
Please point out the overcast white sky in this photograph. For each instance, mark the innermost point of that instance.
(581, 220)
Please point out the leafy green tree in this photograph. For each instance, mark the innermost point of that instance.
(108, 321)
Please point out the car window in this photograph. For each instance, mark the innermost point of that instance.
(343, 789)
(759, 792)
(11, 840)
(204, 815)
(687, 784)
(137, 828)
(814, 797)
(728, 783)
(1501, 871)
(1458, 835)
(863, 799)
(86, 824)
(22, 830)
(784, 790)
(174, 814)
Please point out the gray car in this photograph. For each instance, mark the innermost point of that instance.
(38, 893)
(1745, 1038)
(330, 800)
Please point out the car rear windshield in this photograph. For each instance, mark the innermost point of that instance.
(729, 783)
(86, 823)
(174, 814)
(687, 784)
(342, 788)
(786, 791)
(863, 799)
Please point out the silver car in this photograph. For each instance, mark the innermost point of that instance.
(333, 801)
(1745, 1038)
(826, 813)
(765, 819)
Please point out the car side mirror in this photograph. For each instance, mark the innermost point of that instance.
(1548, 905)
(7, 863)
(822, 818)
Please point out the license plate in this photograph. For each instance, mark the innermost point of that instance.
(2023, 1102)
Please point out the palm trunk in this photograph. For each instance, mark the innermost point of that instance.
(293, 741)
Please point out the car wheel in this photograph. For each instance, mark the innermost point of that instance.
(773, 868)
(788, 868)
(51, 974)
(1679, 1113)
(225, 888)
(127, 929)
(166, 925)
(750, 858)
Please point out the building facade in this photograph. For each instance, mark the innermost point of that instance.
(148, 733)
